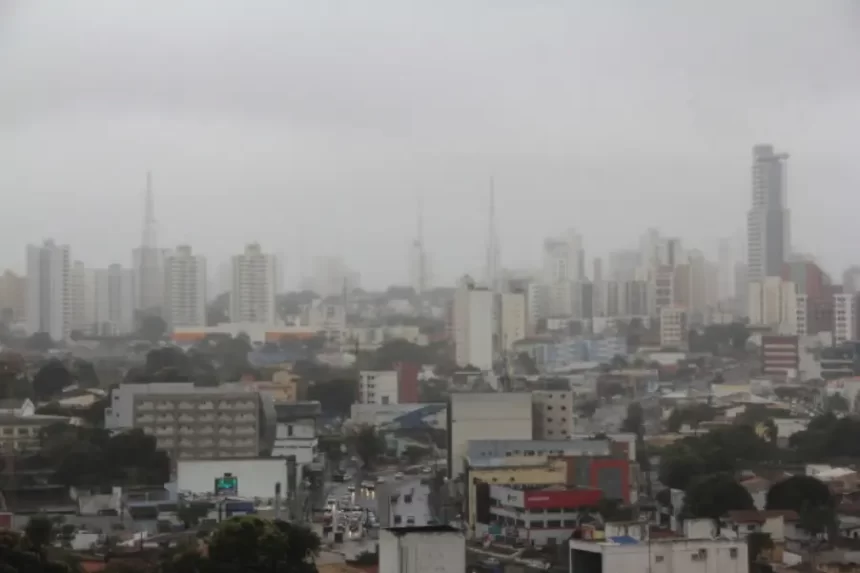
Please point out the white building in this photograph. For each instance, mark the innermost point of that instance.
(844, 318)
(49, 304)
(553, 414)
(404, 504)
(254, 286)
(437, 549)
(296, 433)
(773, 302)
(474, 325)
(185, 288)
(513, 321)
(83, 287)
(485, 416)
(658, 555)
(377, 387)
(114, 301)
(255, 478)
(673, 327)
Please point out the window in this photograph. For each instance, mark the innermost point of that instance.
(385, 399)
(733, 553)
(290, 430)
(397, 520)
(658, 559)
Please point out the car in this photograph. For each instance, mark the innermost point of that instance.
(491, 562)
(380, 479)
(398, 475)
(350, 488)
(367, 484)
(426, 470)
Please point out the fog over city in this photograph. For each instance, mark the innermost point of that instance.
(313, 127)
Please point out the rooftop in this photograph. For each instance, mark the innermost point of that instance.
(400, 531)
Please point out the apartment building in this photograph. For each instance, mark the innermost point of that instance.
(13, 297)
(196, 423)
(404, 504)
(254, 286)
(49, 293)
(772, 302)
(552, 414)
(474, 322)
(844, 318)
(185, 288)
(673, 327)
(513, 319)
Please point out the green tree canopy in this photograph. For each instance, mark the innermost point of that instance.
(51, 379)
(250, 543)
(713, 495)
(797, 493)
(368, 445)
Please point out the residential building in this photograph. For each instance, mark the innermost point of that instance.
(779, 354)
(768, 231)
(513, 320)
(405, 416)
(844, 318)
(673, 327)
(185, 288)
(83, 299)
(851, 279)
(195, 422)
(13, 297)
(475, 416)
(727, 259)
(325, 315)
(254, 286)
(114, 301)
(474, 325)
(553, 414)
(772, 303)
(662, 289)
(537, 305)
(377, 387)
(296, 434)
(435, 549)
(808, 278)
(802, 308)
(22, 433)
(404, 504)
(619, 551)
(49, 293)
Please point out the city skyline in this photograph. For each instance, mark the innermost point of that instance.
(661, 141)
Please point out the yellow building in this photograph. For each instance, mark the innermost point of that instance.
(531, 470)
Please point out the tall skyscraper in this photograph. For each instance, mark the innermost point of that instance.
(83, 298)
(148, 260)
(493, 264)
(185, 288)
(49, 307)
(255, 284)
(768, 231)
(13, 297)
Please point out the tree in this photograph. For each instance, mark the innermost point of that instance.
(692, 415)
(836, 403)
(368, 445)
(40, 341)
(85, 374)
(414, 454)
(51, 379)
(336, 397)
(757, 544)
(38, 534)
(216, 311)
(713, 495)
(249, 543)
(152, 328)
(798, 493)
(527, 363)
(618, 362)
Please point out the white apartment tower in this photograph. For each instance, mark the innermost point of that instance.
(83, 287)
(673, 327)
(185, 288)
(513, 320)
(254, 287)
(474, 325)
(768, 232)
(773, 303)
(49, 307)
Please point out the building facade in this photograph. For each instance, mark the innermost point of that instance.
(254, 286)
(49, 292)
(768, 233)
(185, 288)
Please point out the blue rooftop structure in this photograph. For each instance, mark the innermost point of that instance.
(415, 419)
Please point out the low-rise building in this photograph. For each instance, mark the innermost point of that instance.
(404, 504)
(436, 549)
(296, 435)
(532, 516)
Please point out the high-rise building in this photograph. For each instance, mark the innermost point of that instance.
(623, 265)
(844, 318)
(768, 232)
(773, 303)
(255, 284)
(474, 321)
(114, 301)
(185, 288)
(49, 293)
(851, 279)
(726, 260)
(83, 299)
(564, 259)
(537, 303)
(13, 297)
(513, 319)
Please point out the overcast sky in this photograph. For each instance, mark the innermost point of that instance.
(276, 120)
